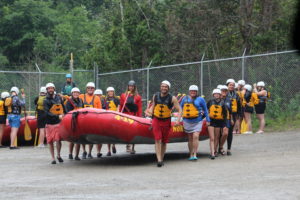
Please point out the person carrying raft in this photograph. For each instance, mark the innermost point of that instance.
(194, 110)
(41, 115)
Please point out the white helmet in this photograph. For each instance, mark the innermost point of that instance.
(216, 91)
(248, 87)
(50, 85)
(193, 87)
(43, 90)
(223, 87)
(260, 84)
(90, 84)
(75, 89)
(110, 89)
(4, 95)
(230, 81)
(167, 83)
(15, 89)
(219, 86)
(98, 91)
(241, 82)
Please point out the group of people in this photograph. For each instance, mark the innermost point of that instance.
(231, 103)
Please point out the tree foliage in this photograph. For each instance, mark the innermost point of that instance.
(127, 34)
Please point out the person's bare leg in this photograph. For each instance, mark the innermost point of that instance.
(99, 146)
(51, 148)
(77, 149)
(158, 150)
(108, 147)
(13, 135)
(163, 150)
(58, 148)
(190, 144)
(90, 149)
(1, 132)
(211, 140)
(261, 118)
(248, 121)
(195, 143)
(71, 147)
(41, 136)
(217, 139)
(83, 148)
(224, 137)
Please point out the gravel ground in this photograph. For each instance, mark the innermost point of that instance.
(263, 166)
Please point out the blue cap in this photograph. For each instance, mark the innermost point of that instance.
(68, 75)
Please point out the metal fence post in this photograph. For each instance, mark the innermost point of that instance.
(40, 75)
(96, 75)
(201, 75)
(148, 74)
(243, 64)
(72, 66)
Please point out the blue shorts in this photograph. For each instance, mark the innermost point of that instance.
(14, 121)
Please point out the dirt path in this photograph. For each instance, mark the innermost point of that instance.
(262, 167)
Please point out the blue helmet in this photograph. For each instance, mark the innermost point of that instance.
(68, 75)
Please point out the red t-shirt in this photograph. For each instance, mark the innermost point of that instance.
(133, 104)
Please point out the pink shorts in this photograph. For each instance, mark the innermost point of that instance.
(52, 133)
(161, 129)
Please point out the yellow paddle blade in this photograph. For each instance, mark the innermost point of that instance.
(27, 132)
(16, 142)
(244, 126)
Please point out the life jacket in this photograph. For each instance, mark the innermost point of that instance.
(68, 88)
(254, 100)
(76, 105)
(234, 103)
(11, 108)
(216, 110)
(163, 106)
(88, 105)
(2, 108)
(8, 104)
(40, 103)
(111, 104)
(57, 109)
(130, 105)
(189, 109)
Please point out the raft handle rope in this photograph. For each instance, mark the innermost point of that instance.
(75, 115)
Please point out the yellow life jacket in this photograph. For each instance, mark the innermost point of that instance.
(234, 104)
(2, 108)
(216, 110)
(190, 110)
(254, 100)
(57, 109)
(88, 105)
(111, 105)
(163, 106)
(8, 104)
(40, 103)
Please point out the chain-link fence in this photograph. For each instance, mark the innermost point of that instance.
(280, 71)
(31, 81)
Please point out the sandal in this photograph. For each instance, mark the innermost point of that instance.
(222, 152)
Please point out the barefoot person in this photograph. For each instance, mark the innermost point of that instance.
(74, 103)
(14, 107)
(161, 108)
(41, 115)
(54, 109)
(3, 115)
(194, 110)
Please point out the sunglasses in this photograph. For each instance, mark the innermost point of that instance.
(90, 88)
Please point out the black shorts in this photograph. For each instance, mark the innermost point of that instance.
(260, 108)
(217, 123)
(2, 119)
(249, 109)
(41, 119)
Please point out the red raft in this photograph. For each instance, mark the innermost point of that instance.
(95, 126)
(21, 141)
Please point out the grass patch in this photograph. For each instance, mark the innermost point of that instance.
(279, 124)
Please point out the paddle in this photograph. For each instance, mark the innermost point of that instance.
(27, 130)
(125, 101)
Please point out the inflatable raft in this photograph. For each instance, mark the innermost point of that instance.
(21, 141)
(95, 126)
